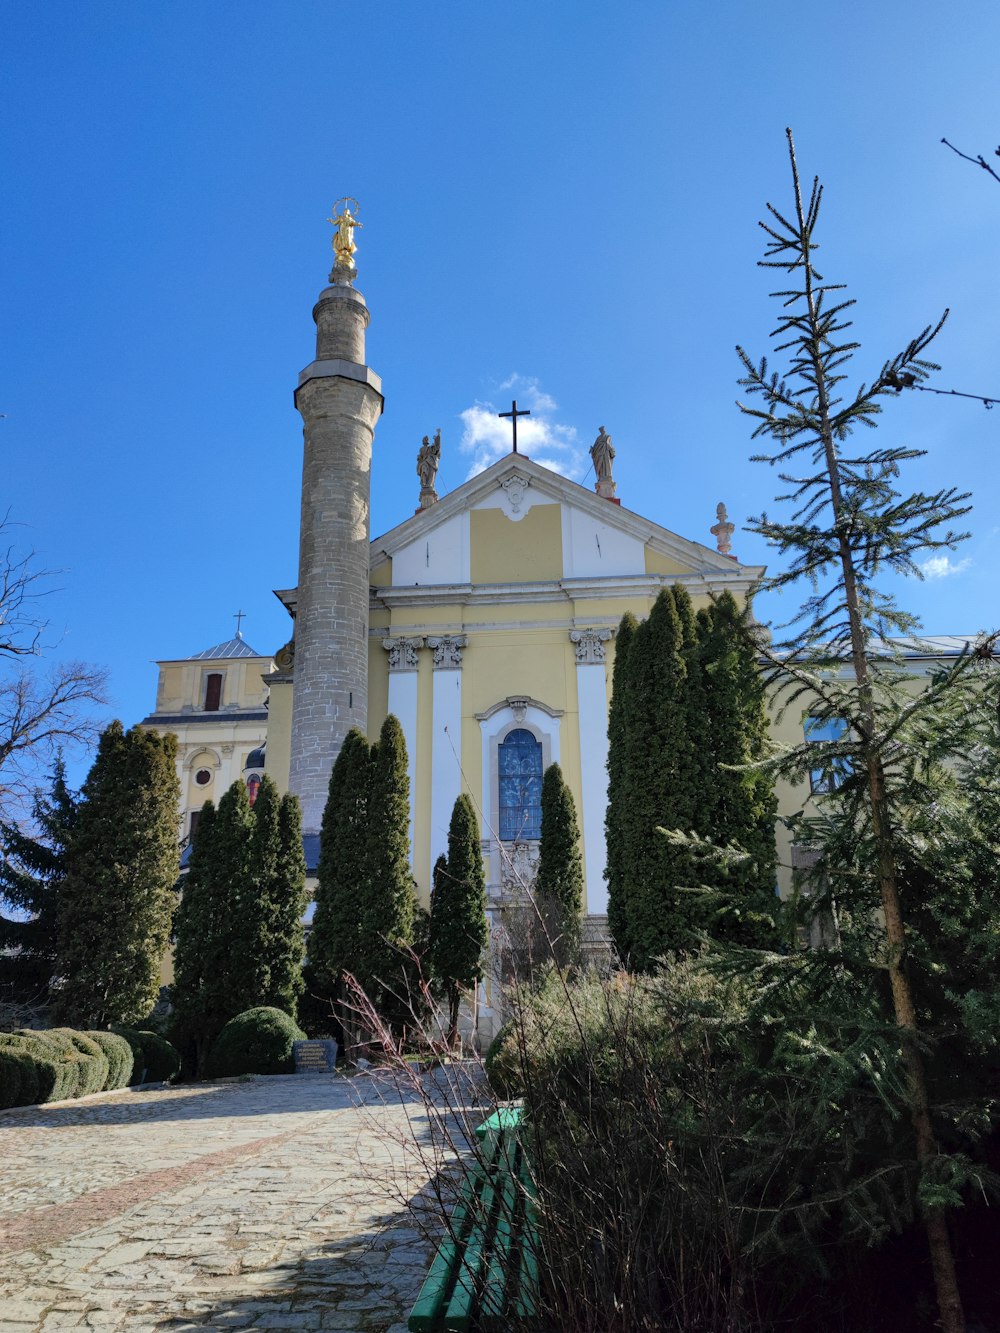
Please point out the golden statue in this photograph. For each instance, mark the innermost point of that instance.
(343, 238)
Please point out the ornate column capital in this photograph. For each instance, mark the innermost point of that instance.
(447, 649)
(402, 653)
(589, 644)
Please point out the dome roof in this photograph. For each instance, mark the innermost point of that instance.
(255, 759)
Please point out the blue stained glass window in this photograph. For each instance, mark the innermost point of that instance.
(520, 772)
(836, 767)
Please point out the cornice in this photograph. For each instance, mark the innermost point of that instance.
(605, 588)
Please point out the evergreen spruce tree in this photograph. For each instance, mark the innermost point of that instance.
(459, 931)
(32, 869)
(343, 874)
(850, 523)
(737, 806)
(387, 914)
(559, 883)
(201, 934)
(117, 898)
(617, 823)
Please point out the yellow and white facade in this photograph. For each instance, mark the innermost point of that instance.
(215, 703)
(494, 612)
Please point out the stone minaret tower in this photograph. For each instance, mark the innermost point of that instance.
(340, 401)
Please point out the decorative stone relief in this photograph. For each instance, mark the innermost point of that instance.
(514, 488)
(447, 649)
(518, 865)
(518, 707)
(284, 658)
(402, 653)
(589, 644)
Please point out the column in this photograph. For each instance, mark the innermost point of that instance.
(446, 747)
(403, 703)
(592, 701)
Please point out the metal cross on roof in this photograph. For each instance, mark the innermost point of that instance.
(239, 618)
(514, 413)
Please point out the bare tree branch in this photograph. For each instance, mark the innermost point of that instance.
(977, 161)
(41, 711)
(40, 714)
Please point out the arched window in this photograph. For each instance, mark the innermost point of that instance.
(520, 773)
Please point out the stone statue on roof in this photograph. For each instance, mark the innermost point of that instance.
(428, 461)
(602, 453)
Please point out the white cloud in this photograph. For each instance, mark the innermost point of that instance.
(942, 566)
(550, 443)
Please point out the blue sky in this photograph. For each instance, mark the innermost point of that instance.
(560, 200)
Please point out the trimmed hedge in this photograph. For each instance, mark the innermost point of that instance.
(156, 1061)
(55, 1064)
(58, 1063)
(19, 1078)
(118, 1053)
(93, 1062)
(258, 1041)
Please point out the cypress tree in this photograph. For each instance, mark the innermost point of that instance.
(559, 884)
(387, 914)
(253, 945)
(288, 902)
(343, 874)
(658, 755)
(118, 895)
(738, 806)
(32, 870)
(227, 869)
(201, 931)
(620, 777)
(459, 931)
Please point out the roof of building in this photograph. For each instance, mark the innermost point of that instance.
(237, 647)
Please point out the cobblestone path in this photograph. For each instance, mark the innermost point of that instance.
(278, 1203)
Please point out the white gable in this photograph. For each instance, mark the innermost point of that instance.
(600, 539)
(440, 555)
(592, 548)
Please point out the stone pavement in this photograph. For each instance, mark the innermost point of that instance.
(275, 1203)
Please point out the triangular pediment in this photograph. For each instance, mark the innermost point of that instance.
(515, 484)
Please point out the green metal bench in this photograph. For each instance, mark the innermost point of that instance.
(486, 1267)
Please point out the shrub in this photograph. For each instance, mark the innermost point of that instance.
(138, 1055)
(58, 1071)
(502, 1064)
(152, 1054)
(19, 1080)
(118, 1053)
(258, 1041)
(93, 1061)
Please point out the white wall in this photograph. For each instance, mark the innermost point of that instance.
(591, 547)
(442, 556)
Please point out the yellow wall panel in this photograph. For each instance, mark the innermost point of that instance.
(528, 551)
(658, 563)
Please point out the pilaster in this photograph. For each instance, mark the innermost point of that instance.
(403, 698)
(446, 745)
(592, 702)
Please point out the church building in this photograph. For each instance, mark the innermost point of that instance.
(485, 622)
